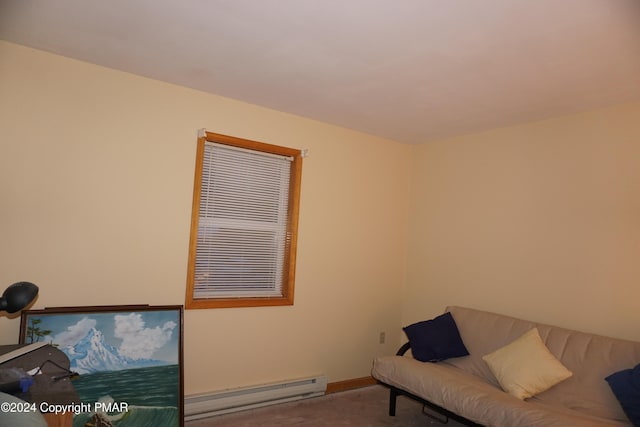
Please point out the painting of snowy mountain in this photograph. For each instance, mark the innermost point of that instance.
(93, 354)
(129, 354)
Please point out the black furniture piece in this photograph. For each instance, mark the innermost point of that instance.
(394, 392)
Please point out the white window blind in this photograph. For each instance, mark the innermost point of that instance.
(242, 235)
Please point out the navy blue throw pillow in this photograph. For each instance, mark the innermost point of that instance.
(436, 339)
(626, 387)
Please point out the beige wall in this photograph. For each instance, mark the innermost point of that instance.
(96, 173)
(96, 178)
(540, 221)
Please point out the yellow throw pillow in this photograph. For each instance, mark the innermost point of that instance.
(526, 367)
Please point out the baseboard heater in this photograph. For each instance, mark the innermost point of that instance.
(205, 405)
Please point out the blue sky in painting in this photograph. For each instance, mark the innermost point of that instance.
(136, 334)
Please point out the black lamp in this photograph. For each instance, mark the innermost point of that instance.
(18, 296)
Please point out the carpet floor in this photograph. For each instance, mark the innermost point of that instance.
(362, 407)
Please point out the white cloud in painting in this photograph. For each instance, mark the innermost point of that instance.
(138, 341)
(74, 333)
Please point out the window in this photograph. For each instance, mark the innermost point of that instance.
(243, 224)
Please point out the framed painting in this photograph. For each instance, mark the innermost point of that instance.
(129, 360)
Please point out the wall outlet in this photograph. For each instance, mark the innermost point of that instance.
(382, 337)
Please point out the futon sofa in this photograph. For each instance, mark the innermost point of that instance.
(579, 379)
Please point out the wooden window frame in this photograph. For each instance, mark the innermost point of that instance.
(288, 284)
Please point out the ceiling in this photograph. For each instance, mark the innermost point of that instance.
(408, 70)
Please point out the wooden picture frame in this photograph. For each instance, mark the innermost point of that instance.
(131, 356)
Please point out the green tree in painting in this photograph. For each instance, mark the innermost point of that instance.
(34, 333)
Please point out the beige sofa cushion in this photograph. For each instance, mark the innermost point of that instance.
(590, 357)
(475, 398)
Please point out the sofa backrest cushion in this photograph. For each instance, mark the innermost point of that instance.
(590, 357)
